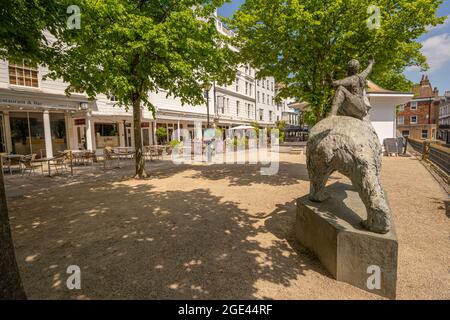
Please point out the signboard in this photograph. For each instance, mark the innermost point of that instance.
(47, 103)
(80, 122)
(20, 102)
(392, 146)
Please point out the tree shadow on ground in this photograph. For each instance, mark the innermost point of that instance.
(281, 223)
(131, 241)
(241, 174)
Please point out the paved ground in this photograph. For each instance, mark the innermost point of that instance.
(208, 231)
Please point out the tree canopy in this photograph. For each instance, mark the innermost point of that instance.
(305, 43)
(128, 48)
(125, 46)
(22, 27)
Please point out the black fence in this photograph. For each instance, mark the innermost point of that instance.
(436, 154)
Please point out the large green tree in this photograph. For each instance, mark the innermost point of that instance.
(128, 48)
(22, 26)
(306, 43)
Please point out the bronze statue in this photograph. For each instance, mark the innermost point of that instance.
(346, 142)
(350, 98)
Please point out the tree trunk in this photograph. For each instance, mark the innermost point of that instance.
(10, 281)
(138, 154)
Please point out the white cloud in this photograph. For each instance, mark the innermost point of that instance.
(437, 50)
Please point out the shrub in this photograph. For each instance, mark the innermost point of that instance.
(174, 143)
(161, 133)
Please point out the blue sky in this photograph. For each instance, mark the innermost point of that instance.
(436, 47)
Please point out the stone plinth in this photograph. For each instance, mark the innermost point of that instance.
(332, 231)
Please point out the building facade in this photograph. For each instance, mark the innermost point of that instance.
(37, 117)
(444, 118)
(247, 100)
(289, 109)
(383, 109)
(418, 118)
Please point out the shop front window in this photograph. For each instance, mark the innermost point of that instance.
(27, 133)
(20, 133)
(58, 129)
(37, 133)
(106, 135)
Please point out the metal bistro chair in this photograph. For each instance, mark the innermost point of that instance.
(89, 158)
(27, 164)
(6, 163)
(169, 150)
(109, 156)
(11, 162)
(160, 152)
(156, 152)
(124, 153)
(147, 153)
(77, 157)
(60, 162)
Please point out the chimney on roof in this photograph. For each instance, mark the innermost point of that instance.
(436, 92)
(425, 82)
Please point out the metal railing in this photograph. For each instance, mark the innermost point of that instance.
(416, 145)
(438, 155)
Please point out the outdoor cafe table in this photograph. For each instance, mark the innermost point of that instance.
(79, 156)
(48, 160)
(124, 152)
(10, 157)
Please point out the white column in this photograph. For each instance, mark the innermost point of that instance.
(48, 135)
(7, 132)
(69, 132)
(154, 139)
(132, 133)
(122, 134)
(89, 132)
(179, 131)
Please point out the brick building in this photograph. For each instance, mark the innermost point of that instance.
(418, 118)
(444, 118)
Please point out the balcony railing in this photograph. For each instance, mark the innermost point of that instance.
(221, 27)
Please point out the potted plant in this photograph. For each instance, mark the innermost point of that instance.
(161, 134)
(172, 145)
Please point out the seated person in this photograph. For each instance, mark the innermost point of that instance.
(350, 97)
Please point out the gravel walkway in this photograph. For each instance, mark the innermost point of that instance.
(209, 232)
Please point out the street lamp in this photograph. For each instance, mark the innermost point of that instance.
(207, 87)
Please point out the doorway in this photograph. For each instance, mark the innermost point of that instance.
(81, 137)
(128, 135)
(145, 137)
